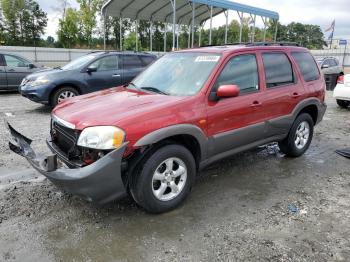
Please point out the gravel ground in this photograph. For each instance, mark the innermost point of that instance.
(255, 206)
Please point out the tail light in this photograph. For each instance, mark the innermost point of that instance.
(340, 79)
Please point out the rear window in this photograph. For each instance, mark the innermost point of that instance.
(278, 69)
(147, 60)
(132, 61)
(307, 65)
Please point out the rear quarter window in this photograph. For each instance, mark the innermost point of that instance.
(307, 65)
(147, 60)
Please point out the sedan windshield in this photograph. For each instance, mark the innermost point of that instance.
(79, 62)
(178, 74)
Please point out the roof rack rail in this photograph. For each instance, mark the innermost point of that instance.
(273, 44)
(256, 44)
(234, 43)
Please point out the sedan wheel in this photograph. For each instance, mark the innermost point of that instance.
(64, 95)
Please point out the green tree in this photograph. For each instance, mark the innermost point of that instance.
(307, 35)
(88, 11)
(35, 22)
(24, 21)
(50, 41)
(68, 31)
(130, 42)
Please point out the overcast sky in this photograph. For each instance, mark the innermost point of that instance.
(319, 12)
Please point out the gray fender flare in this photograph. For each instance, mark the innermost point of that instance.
(307, 102)
(181, 129)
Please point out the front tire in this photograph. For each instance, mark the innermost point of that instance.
(299, 137)
(62, 94)
(343, 103)
(164, 179)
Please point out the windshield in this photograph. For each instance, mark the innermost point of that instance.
(178, 74)
(79, 62)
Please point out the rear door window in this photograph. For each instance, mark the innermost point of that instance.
(278, 70)
(132, 61)
(307, 65)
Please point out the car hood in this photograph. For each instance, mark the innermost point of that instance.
(113, 107)
(47, 72)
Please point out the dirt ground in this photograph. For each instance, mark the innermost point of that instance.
(255, 206)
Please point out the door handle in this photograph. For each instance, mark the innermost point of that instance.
(115, 75)
(256, 104)
(12, 70)
(296, 95)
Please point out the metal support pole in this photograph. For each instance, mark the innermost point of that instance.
(189, 36)
(151, 36)
(104, 31)
(200, 36)
(226, 27)
(193, 22)
(137, 34)
(121, 33)
(276, 30)
(165, 38)
(177, 37)
(253, 33)
(173, 2)
(240, 26)
(265, 25)
(211, 24)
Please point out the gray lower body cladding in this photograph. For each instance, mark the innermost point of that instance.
(100, 182)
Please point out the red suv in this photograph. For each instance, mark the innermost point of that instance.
(187, 110)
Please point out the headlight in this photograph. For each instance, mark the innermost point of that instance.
(101, 137)
(39, 82)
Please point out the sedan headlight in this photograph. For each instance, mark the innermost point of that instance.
(101, 137)
(39, 82)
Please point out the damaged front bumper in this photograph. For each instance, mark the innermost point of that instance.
(99, 182)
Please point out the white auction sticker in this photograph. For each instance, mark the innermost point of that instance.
(211, 58)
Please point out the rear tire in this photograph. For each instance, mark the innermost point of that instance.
(63, 93)
(299, 137)
(164, 179)
(343, 103)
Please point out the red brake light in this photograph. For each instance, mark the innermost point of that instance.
(340, 79)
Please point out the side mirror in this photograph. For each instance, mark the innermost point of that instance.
(31, 66)
(225, 91)
(91, 69)
(324, 66)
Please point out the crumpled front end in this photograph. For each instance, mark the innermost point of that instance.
(99, 182)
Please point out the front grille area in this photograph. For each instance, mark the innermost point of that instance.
(65, 139)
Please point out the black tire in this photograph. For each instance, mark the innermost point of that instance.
(56, 95)
(142, 183)
(288, 145)
(343, 103)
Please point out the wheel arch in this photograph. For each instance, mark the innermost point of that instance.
(65, 84)
(311, 106)
(190, 136)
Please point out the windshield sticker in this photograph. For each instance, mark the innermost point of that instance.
(207, 59)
